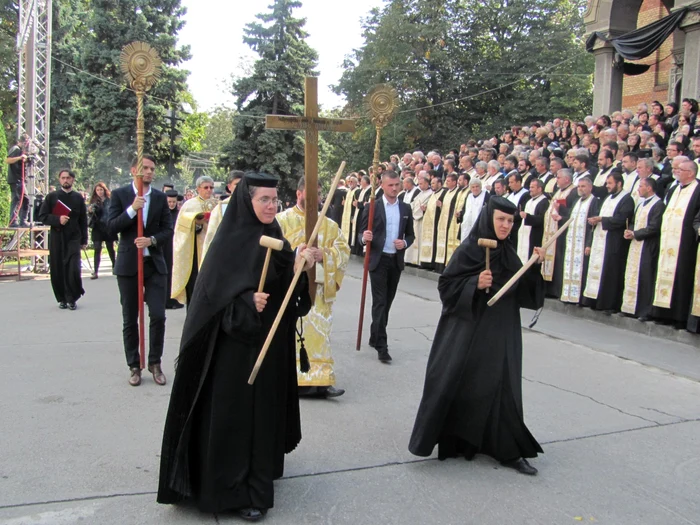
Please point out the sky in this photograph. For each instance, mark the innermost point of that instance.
(214, 30)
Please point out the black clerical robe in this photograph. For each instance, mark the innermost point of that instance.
(608, 295)
(362, 201)
(640, 275)
(472, 397)
(336, 208)
(224, 440)
(65, 242)
(168, 255)
(686, 251)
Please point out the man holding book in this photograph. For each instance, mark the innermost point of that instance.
(65, 211)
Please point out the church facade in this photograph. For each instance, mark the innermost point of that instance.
(674, 71)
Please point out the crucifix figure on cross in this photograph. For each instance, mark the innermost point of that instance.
(311, 124)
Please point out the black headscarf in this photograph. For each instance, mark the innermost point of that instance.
(469, 259)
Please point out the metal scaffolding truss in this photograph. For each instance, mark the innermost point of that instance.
(34, 93)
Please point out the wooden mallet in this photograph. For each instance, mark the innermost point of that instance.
(488, 244)
(271, 244)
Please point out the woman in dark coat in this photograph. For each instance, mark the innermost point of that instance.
(472, 398)
(98, 209)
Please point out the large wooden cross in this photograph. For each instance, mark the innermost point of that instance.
(311, 123)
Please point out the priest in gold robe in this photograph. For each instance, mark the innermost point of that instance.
(454, 232)
(447, 210)
(349, 209)
(431, 218)
(412, 256)
(188, 242)
(673, 292)
(556, 215)
(332, 257)
(217, 213)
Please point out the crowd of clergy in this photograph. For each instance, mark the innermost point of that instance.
(628, 181)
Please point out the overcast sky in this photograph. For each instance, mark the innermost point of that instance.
(214, 30)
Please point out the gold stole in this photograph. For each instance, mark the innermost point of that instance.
(217, 215)
(356, 218)
(634, 259)
(550, 228)
(574, 255)
(696, 293)
(427, 237)
(600, 239)
(456, 227)
(525, 229)
(551, 185)
(671, 230)
(347, 216)
(331, 241)
(602, 176)
(443, 224)
(412, 255)
(183, 245)
(630, 182)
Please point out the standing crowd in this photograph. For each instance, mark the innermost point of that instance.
(627, 182)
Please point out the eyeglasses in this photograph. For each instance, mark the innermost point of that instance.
(266, 201)
(207, 187)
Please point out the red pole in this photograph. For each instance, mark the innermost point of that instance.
(139, 219)
(370, 222)
(365, 272)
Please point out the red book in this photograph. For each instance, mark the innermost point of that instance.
(61, 210)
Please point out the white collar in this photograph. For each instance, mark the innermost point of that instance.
(136, 191)
(387, 203)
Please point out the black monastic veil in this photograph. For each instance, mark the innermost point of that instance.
(472, 398)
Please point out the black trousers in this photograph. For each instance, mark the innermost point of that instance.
(21, 216)
(99, 237)
(385, 280)
(154, 284)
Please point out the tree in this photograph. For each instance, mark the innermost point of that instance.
(467, 68)
(9, 20)
(96, 99)
(276, 86)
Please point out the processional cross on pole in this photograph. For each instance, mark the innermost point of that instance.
(311, 124)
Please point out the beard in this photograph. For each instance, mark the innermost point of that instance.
(66, 186)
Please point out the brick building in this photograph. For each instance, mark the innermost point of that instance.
(675, 66)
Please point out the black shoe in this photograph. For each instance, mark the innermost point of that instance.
(384, 356)
(680, 325)
(521, 465)
(93, 276)
(331, 391)
(174, 305)
(24, 224)
(72, 306)
(644, 319)
(62, 305)
(251, 514)
(372, 344)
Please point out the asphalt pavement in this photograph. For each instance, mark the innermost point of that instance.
(617, 414)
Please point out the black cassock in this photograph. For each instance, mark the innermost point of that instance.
(555, 285)
(472, 398)
(649, 258)
(65, 242)
(612, 277)
(224, 440)
(536, 223)
(358, 248)
(682, 294)
(336, 208)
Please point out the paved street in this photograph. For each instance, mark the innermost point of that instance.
(617, 413)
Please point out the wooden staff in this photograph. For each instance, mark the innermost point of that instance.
(271, 244)
(489, 244)
(528, 264)
(295, 280)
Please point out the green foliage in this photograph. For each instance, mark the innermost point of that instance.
(4, 188)
(93, 113)
(9, 20)
(494, 57)
(276, 86)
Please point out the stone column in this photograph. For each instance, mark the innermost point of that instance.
(607, 82)
(690, 85)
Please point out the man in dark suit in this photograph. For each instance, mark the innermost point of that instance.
(157, 232)
(391, 234)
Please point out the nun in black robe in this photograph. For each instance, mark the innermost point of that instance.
(472, 398)
(224, 440)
